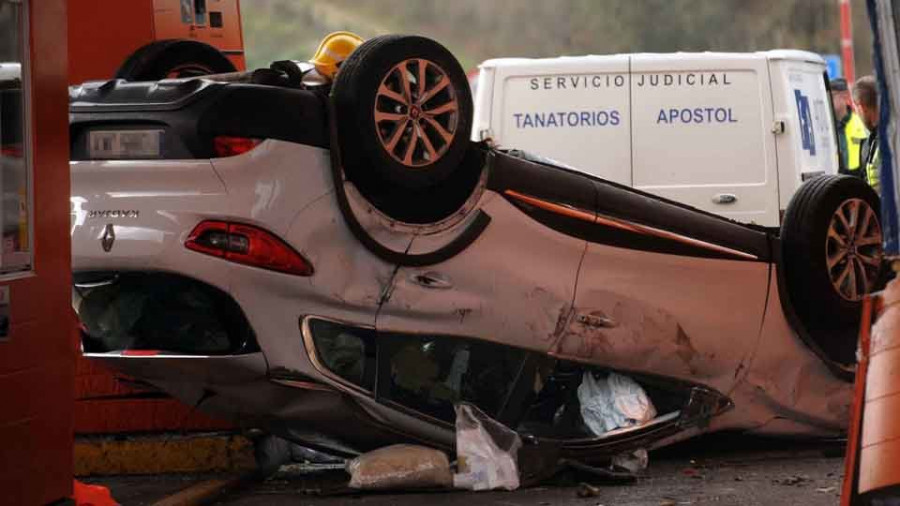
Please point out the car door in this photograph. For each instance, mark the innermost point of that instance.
(512, 285)
(669, 291)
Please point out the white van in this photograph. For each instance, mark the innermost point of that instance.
(731, 133)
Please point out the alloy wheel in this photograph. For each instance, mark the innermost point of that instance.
(853, 250)
(416, 112)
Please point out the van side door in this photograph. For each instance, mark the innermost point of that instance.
(702, 133)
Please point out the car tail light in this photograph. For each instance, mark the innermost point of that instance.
(226, 145)
(248, 245)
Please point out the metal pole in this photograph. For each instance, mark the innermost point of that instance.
(847, 41)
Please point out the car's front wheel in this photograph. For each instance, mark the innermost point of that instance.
(832, 250)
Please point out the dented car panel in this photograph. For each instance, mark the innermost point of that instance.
(483, 293)
(685, 328)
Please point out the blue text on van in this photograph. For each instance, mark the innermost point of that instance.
(600, 118)
(696, 115)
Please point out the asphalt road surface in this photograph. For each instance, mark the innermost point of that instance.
(718, 469)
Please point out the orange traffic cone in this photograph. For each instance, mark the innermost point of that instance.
(92, 495)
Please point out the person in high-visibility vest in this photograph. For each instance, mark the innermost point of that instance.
(865, 94)
(850, 129)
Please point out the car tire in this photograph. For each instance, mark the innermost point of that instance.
(395, 127)
(174, 59)
(831, 241)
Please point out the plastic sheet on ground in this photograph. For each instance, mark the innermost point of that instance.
(486, 451)
(400, 467)
(614, 402)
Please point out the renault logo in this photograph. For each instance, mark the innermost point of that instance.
(108, 237)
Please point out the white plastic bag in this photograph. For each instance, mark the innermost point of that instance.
(486, 452)
(400, 467)
(614, 402)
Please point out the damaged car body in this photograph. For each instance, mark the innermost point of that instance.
(340, 265)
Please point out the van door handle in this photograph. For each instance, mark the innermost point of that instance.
(431, 279)
(725, 198)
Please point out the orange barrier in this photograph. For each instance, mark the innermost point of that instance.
(871, 307)
(879, 456)
(872, 464)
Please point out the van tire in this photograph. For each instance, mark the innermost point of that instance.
(409, 145)
(828, 299)
(174, 59)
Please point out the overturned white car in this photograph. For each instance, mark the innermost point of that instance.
(340, 265)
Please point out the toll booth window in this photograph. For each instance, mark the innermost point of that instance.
(15, 158)
(215, 20)
(200, 12)
(187, 11)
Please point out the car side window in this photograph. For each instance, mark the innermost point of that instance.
(344, 351)
(158, 311)
(429, 374)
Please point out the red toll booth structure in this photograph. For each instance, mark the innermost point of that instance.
(153, 39)
(37, 350)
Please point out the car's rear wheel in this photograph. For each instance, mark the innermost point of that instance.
(404, 111)
(832, 245)
(173, 59)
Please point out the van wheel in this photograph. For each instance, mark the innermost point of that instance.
(404, 111)
(832, 249)
(173, 59)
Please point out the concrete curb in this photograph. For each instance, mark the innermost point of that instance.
(163, 453)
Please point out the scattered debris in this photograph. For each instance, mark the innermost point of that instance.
(586, 490)
(826, 490)
(614, 402)
(667, 502)
(486, 451)
(634, 461)
(791, 481)
(308, 455)
(400, 467)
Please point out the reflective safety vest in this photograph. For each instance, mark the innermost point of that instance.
(852, 134)
(873, 166)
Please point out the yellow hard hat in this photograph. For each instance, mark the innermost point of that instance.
(334, 49)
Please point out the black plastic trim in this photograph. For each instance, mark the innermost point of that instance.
(192, 112)
(611, 236)
(581, 191)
